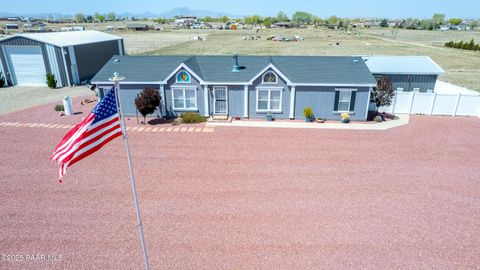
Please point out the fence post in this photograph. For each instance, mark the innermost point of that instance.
(412, 94)
(394, 102)
(433, 102)
(456, 105)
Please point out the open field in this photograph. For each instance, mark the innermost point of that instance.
(462, 67)
(247, 198)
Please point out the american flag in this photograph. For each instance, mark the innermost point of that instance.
(100, 127)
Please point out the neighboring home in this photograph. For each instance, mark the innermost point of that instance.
(186, 21)
(246, 86)
(283, 25)
(12, 26)
(407, 73)
(138, 26)
(73, 57)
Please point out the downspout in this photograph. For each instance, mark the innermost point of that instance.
(65, 66)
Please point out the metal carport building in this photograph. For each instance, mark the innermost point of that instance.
(73, 57)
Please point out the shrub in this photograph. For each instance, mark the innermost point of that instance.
(378, 118)
(2, 80)
(190, 118)
(51, 82)
(383, 94)
(147, 101)
(308, 112)
(59, 108)
(345, 117)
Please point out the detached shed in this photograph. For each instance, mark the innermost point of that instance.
(407, 73)
(73, 57)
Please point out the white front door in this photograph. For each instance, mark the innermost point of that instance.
(28, 65)
(220, 103)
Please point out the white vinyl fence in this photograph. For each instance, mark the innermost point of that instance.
(434, 104)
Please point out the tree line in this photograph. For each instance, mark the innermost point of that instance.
(471, 45)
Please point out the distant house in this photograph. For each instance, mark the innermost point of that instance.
(186, 21)
(407, 73)
(12, 26)
(138, 26)
(283, 25)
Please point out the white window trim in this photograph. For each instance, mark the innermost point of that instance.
(349, 101)
(214, 97)
(270, 71)
(269, 89)
(189, 77)
(184, 99)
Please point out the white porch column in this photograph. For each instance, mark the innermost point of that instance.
(245, 101)
(292, 102)
(206, 102)
(164, 99)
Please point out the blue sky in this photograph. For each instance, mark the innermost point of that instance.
(322, 8)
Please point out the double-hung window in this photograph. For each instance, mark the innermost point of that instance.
(184, 99)
(269, 100)
(345, 100)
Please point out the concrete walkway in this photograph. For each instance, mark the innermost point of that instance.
(401, 121)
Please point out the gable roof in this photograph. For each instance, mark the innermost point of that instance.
(65, 39)
(421, 65)
(328, 70)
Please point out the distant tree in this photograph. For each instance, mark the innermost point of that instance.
(455, 21)
(147, 101)
(282, 17)
(267, 22)
(302, 17)
(437, 20)
(224, 19)
(111, 16)
(340, 24)
(383, 94)
(99, 17)
(80, 18)
(253, 20)
(89, 18)
(384, 23)
(317, 20)
(332, 20)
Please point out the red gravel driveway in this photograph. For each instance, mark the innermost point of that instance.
(247, 198)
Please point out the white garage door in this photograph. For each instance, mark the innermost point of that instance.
(28, 65)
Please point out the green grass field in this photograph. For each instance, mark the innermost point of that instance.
(462, 67)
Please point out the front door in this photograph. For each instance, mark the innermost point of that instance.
(220, 100)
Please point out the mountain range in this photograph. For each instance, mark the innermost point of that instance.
(167, 14)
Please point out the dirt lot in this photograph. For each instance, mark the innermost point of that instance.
(248, 198)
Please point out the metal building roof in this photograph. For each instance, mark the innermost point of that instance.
(70, 38)
(331, 70)
(421, 65)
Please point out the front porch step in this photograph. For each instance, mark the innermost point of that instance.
(220, 118)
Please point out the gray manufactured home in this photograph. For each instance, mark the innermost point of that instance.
(73, 57)
(246, 86)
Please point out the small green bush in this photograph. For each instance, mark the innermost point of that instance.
(51, 82)
(59, 108)
(190, 118)
(378, 118)
(308, 112)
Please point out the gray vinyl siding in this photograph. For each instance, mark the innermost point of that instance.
(6, 70)
(128, 93)
(409, 82)
(170, 112)
(93, 56)
(252, 99)
(61, 65)
(322, 101)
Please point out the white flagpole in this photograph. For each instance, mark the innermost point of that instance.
(117, 80)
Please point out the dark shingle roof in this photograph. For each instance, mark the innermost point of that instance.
(298, 69)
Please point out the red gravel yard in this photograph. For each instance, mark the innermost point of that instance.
(246, 198)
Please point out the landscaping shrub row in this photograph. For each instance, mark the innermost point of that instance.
(190, 118)
(471, 45)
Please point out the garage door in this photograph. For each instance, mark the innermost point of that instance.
(28, 66)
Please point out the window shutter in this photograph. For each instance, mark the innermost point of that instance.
(352, 101)
(335, 103)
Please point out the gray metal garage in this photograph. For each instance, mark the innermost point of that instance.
(73, 57)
